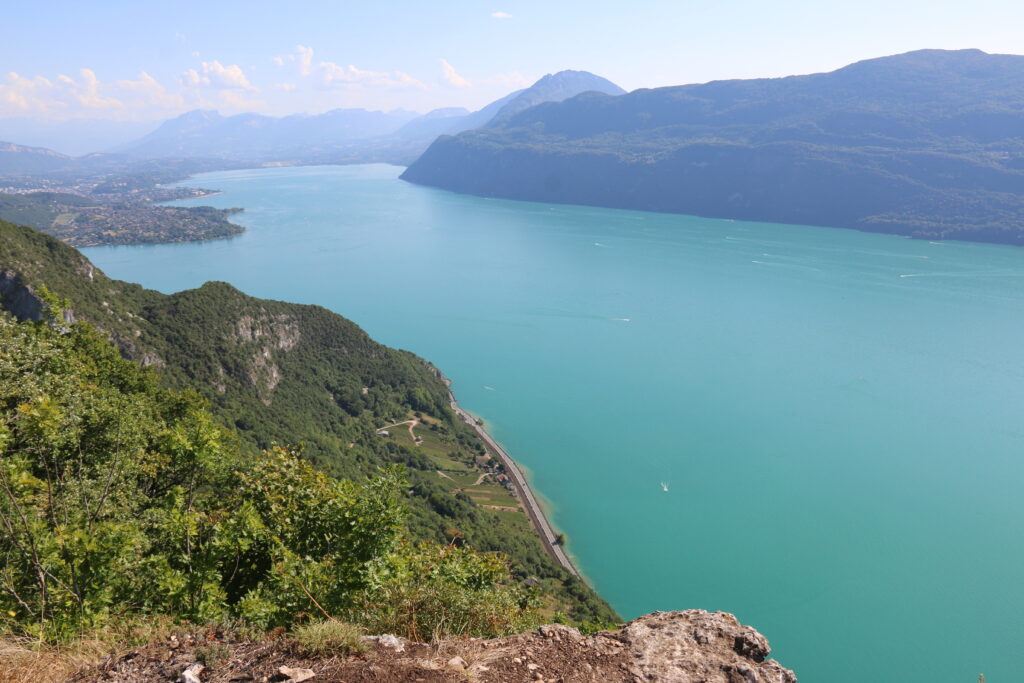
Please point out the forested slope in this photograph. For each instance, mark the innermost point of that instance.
(928, 144)
(280, 373)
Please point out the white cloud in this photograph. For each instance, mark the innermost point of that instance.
(305, 58)
(449, 74)
(85, 95)
(216, 75)
(501, 15)
(331, 75)
(407, 80)
(148, 92)
(302, 57)
(19, 95)
(302, 83)
(40, 95)
(87, 91)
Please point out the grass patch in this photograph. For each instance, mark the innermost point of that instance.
(26, 660)
(213, 655)
(492, 495)
(328, 638)
(443, 462)
(63, 219)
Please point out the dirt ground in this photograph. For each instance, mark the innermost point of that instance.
(688, 647)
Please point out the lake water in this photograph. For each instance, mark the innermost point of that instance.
(837, 415)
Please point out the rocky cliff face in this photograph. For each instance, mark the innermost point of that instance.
(671, 647)
(18, 299)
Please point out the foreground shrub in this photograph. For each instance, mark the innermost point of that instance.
(119, 499)
(426, 592)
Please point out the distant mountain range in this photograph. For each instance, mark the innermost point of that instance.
(927, 144)
(203, 133)
(303, 137)
(337, 136)
(20, 159)
(74, 137)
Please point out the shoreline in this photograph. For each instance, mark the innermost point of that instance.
(531, 505)
(534, 511)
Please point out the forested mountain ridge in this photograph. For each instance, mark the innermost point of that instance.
(279, 373)
(928, 144)
(18, 159)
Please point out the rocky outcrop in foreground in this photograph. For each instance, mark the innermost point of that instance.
(686, 647)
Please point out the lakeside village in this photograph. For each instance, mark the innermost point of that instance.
(92, 213)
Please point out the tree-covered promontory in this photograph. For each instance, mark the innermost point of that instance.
(928, 144)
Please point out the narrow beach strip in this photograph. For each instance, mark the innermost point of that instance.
(533, 509)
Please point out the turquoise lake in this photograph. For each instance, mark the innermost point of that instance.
(837, 415)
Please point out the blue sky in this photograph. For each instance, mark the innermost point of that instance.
(150, 60)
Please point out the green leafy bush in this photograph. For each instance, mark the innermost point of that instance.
(428, 591)
(206, 340)
(119, 498)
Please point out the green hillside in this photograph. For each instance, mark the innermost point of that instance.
(124, 505)
(280, 373)
(928, 144)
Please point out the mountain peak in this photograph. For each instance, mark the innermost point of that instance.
(199, 115)
(556, 87)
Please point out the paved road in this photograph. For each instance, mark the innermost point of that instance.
(526, 497)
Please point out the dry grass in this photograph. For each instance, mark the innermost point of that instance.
(24, 660)
(328, 638)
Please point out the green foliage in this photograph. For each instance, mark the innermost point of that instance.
(429, 591)
(213, 655)
(118, 497)
(99, 469)
(38, 209)
(327, 638)
(302, 540)
(310, 390)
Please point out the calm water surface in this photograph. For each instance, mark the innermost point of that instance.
(836, 415)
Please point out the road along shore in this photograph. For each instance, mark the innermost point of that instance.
(525, 494)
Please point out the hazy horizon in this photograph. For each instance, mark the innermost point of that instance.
(124, 62)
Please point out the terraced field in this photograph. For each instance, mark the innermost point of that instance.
(458, 470)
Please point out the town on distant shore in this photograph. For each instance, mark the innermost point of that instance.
(926, 144)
